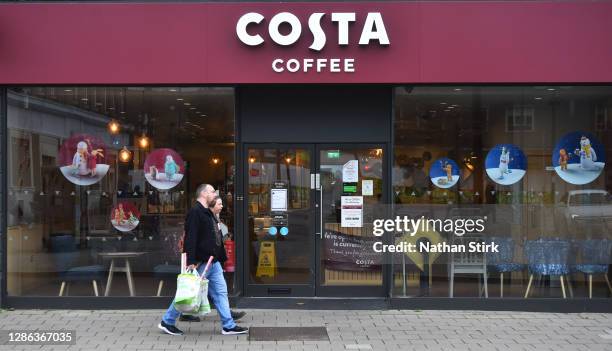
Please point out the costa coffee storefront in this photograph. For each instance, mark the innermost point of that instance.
(315, 122)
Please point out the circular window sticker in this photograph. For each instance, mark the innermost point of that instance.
(579, 158)
(125, 216)
(164, 169)
(81, 159)
(506, 164)
(444, 173)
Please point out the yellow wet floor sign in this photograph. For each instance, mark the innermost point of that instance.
(266, 266)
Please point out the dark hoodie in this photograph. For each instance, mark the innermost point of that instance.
(202, 236)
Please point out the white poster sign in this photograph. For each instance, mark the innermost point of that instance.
(279, 200)
(350, 172)
(351, 211)
(367, 187)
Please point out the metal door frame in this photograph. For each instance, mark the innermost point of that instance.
(314, 288)
(275, 290)
(350, 290)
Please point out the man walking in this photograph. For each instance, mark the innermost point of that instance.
(200, 244)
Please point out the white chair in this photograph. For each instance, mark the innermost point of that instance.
(468, 263)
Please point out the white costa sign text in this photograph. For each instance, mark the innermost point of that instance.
(373, 29)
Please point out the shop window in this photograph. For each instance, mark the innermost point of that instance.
(533, 167)
(105, 175)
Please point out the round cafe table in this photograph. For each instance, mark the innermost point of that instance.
(126, 256)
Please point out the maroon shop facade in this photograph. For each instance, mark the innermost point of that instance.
(311, 119)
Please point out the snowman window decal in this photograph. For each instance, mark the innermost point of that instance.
(578, 158)
(81, 159)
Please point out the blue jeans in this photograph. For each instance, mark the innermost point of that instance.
(217, 290)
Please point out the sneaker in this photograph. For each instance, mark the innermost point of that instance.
(169, 329)
(237, 315)
(234, 331)
(189, 318)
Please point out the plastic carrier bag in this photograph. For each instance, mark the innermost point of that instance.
(204, 304)
(187, 298)
(192, 290)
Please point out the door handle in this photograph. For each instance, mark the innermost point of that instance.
(321, 211)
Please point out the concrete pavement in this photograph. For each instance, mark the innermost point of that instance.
(347, 330)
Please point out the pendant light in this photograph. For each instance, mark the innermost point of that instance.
(125, 155)
(114, 127)
(143, 141)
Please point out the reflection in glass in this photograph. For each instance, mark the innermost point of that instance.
(465, 124)
(348, 203)
(61, 240)
(280, 219)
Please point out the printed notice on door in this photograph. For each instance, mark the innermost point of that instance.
(351, 211)
(350, 172)
(279, 200)
(367, 187)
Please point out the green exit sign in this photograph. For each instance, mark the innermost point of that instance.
(350, 188)
(333, 154)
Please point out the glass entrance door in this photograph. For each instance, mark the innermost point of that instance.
(351, 195)
(280, 220)
(310, 210)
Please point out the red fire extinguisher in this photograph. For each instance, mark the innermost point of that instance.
(230, 264)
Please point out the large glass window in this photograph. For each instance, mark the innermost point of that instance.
(100, 179)
(528, 160)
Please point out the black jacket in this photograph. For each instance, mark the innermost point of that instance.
(200, 236)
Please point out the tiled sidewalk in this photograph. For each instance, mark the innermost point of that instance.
(348, 330)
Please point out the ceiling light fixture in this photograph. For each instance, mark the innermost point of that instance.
(143, 141)
(125, 155)
(114, 127)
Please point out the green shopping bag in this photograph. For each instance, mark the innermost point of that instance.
(192, 290)
(188, 297)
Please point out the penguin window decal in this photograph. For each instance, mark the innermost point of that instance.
(164, 169)
(506, 164)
